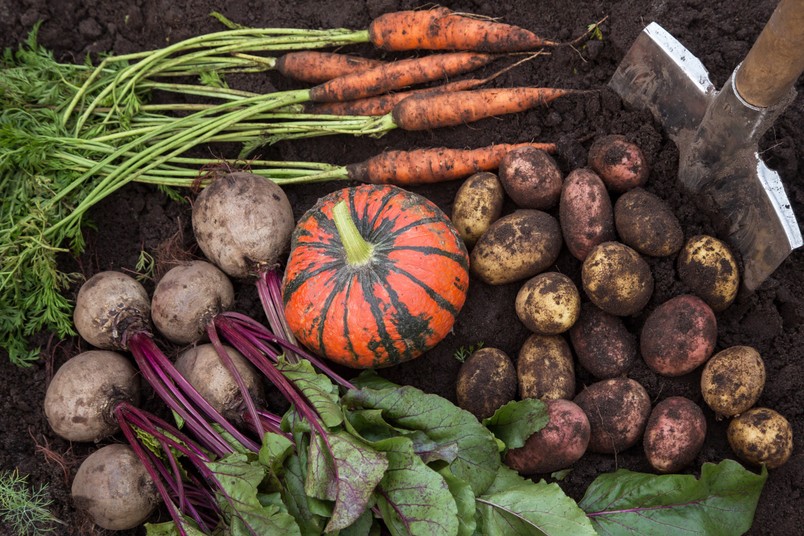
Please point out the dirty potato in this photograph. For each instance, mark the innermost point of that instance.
(708, 268)
(548, 303)
(604, 346)
(617, 279)
(619, 162)
(486, 381)
(585, 213)
(545, 368)
(562, 442)
(761, 435)
(678, 336)
(515, 247)
(647, 224)
(674, 435)
(531, 178)
(478, 204)
(618, 410)
(732, 380)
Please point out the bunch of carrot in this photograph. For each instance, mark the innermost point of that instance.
(70, 135)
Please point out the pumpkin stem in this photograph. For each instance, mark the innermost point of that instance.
(358, 251)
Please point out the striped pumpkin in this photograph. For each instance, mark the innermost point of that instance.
(376, 276)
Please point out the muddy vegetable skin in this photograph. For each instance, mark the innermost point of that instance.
(486, 381)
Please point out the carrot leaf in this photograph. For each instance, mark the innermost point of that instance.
(721, 502)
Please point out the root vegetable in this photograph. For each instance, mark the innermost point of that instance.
(761, 435)
(516, 247)
(617, 279)
(674, 435)
(620, 163)
(187, 297)
(478, 204)
(548, 304)
(604, 346)
(203, 368)
(732, 380)
(114, 488)
(708, 268)
(243, 223)
(531, 178)
(486, 381)
(107, 304)
(545, 369)
(317, 67)
(80, 400)
(647, 224)
(585, 213)
(618, 410)
(562, 442)
(678, 336)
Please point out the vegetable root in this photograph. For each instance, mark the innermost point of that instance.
(424, 166)
(318, 67)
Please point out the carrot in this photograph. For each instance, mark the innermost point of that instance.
(442, 29)
(396, 75)
(425, 166)
(423, 112)
(317, 67)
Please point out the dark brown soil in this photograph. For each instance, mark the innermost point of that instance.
(719, 32)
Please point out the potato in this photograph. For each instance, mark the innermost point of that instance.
(603, 344)
(708, 268)
(761, 435)
(478, 204)
(620, 163)
(515, 247)
(585, 213)
(678, 336)
(545, 368)
(732, 380)
(531, 178)
(618, 410)
(548, 303)
(617, 279)
(674, 435)
(486, 381)
(562, 442)
(647, 224)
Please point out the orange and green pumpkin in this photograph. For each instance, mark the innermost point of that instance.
(376, 276)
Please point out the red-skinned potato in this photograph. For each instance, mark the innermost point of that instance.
(674, 435)
(678, 336)
(585, 213)
(478, 204)
(545, 368)
(617, 279)
(486, 381)
(620, 163)
(531, 178)
(562, 442)
(618, 410)
(604, 346)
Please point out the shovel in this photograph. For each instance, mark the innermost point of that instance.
(717, 132)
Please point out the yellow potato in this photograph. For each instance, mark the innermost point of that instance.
(548, 303)
(545, 368)
(708, 268)
(732, 380)
(761, 435)
(617, 279)
(478, 204)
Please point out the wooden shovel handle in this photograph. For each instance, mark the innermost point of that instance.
(776, 60)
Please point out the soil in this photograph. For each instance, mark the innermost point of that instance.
(718, 32)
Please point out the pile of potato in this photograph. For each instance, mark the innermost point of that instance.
(568, 323)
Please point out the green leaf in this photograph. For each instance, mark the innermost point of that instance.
(464, 500)
(346, 471)
(362, 527)
(274, 451)
(239, 477)
(453, 435)
(298, 504)
(413, 498)
(168, 528)
(369, 379)
(721, 502)
(515, 506)
(517, 420)
(317, 389)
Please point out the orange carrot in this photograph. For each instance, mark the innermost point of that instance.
(425, 166)
(317, 67)
(397, 75)
(435, 110)
(442, 29)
